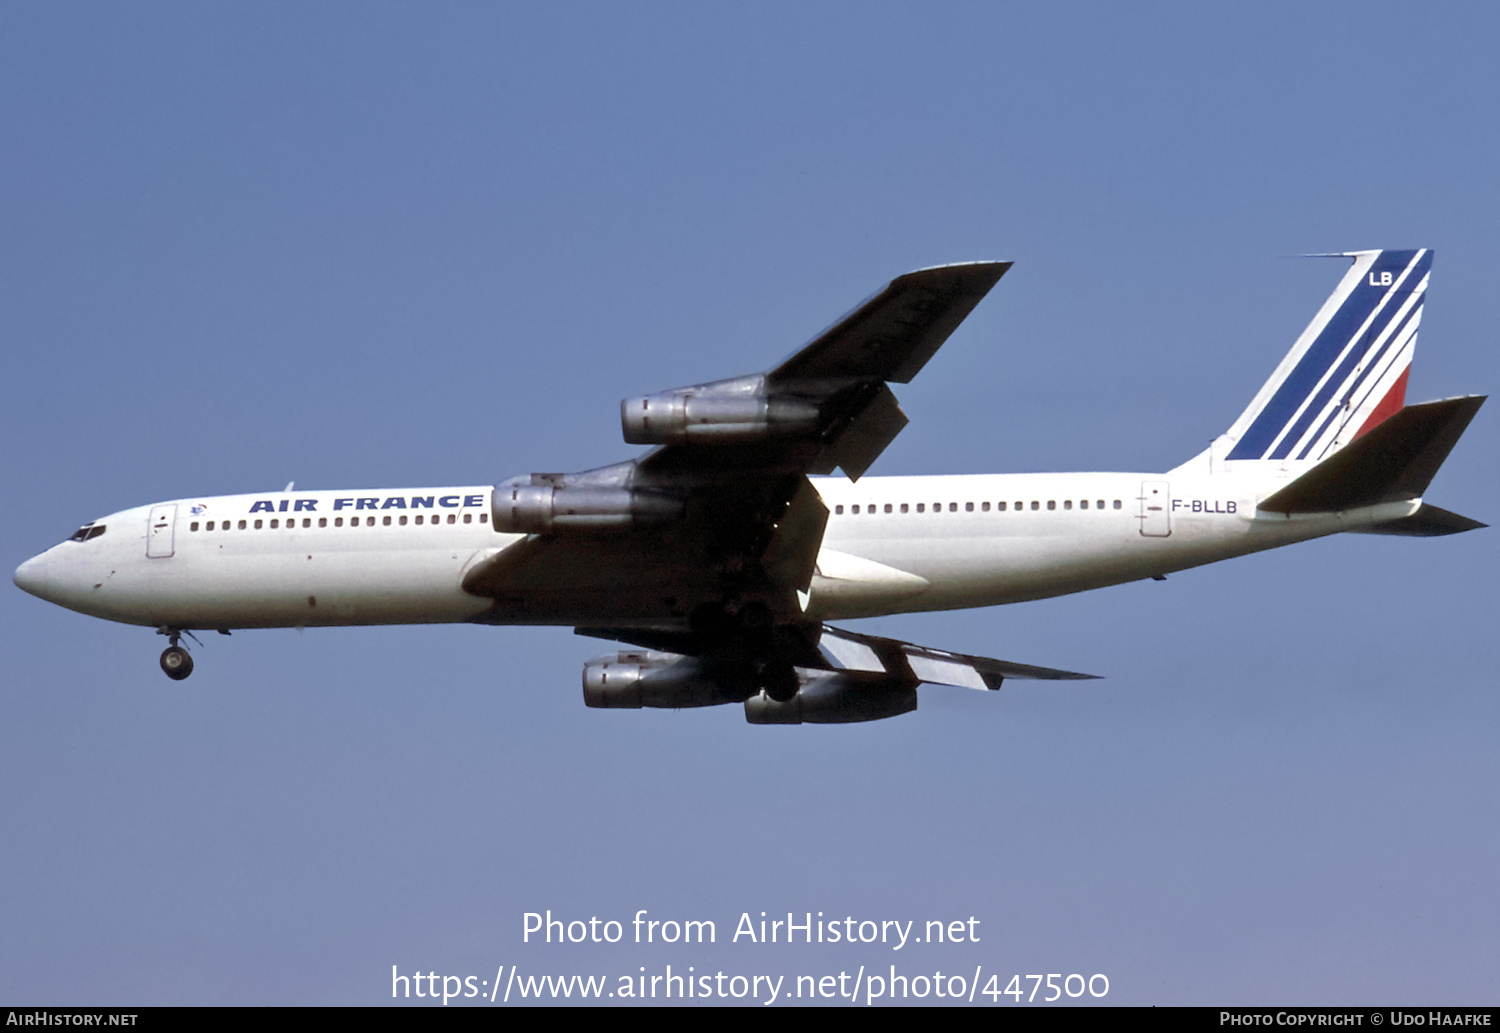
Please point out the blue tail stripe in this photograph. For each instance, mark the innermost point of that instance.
(1371, 367)
(1324, 351)
(1261, 434)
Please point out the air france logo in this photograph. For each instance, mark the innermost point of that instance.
(389, 502)
(199, 509)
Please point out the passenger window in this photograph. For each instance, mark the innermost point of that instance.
(322, 521)
(1117, 503)
(242, 525)
(1067, 503)
(259, 524)
(370, 521)
(193, 526)
(484, 518)
(468, 518)
(209, 526)
(953, 507)
(968, 507)
(338, 521)
(1051, 504)
(452, 518)
(402, 521)
(274, 524)
(838, 510)
(854, 510)
(921, 507)
(985, 506)
(1083, 503)
(1000, 507)
(1099, 504)
(1035, 504)
(307, 521)
(904, 507)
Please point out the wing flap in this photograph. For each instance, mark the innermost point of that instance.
(866, 436)
(851, 651)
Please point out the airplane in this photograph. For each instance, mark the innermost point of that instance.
(720, 556)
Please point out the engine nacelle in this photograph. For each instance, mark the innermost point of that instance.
(707, 415)
(833, 699)
(539, 507)
(633, 679)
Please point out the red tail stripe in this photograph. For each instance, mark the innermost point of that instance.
(1389, 406)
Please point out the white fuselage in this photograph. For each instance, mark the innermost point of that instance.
(892, 545)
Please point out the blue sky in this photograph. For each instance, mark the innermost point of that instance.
(381, 245)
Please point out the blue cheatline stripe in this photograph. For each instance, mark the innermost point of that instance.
(1338, 410)
(1320, 355)
(1334, 384)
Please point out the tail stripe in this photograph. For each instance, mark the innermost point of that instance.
(1389, 406)
(1360, 320)
(1337, 341)
(1388, 312)
(1347, 407)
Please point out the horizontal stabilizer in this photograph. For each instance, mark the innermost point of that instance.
(1427, 522)
(1393, 462)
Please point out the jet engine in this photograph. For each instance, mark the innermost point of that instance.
(645, 678)
(539, 507)
(834, 698)
(727, 411)
(637, 678)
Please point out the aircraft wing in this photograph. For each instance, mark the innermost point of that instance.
(879, 659)
(721, 515)
(891, 335)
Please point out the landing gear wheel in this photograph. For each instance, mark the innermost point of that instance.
(779, 681)
(176, 662)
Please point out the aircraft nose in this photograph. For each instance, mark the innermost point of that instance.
(31, 576)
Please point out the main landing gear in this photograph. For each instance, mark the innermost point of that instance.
(176, 662)
(746, 633)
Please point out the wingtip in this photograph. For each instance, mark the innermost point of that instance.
(997, 266)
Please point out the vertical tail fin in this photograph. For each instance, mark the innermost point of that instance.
(1347, 372)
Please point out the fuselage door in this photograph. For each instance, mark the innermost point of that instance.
(1156, 508)
(159, 530)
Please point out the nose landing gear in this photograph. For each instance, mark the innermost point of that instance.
(176, 662)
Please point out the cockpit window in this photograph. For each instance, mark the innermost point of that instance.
(87, 532)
